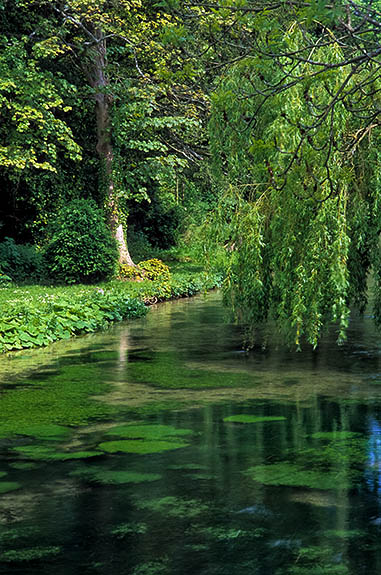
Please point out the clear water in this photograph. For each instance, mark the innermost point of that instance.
(204, 495)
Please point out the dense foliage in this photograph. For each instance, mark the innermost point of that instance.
(80, 248)
(258, 120)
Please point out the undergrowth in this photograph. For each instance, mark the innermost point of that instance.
(38, 315)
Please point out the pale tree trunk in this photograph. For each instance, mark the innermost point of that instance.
(99, 82)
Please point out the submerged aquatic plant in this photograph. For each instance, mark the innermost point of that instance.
(294, 475)
(125, 529)
(114, 477)
(180, 507)
(146, 431)
(142, 447)
(245, 418)
(46, 453)
(6, 486)
(28, 554)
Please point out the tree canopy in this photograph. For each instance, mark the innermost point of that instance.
(265, 112)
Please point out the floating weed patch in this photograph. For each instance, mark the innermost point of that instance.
(176, 507)
(7, 486)
(111, 477)
(127, 529)
(28, 554)
(45, 453)
(294, 475)
(244, 418)
(335, 435)
(142, 447)
(148, 431)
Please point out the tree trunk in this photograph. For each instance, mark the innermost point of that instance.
(99, 82)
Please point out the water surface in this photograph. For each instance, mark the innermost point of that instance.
(160, 448)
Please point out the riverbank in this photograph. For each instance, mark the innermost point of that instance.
(35, 316)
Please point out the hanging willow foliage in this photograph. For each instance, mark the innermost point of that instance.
(299, 216)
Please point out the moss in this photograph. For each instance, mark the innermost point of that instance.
(125, 529)
(294, 475)
(142, 447)
(148, 431)
(6, 486)
(114, 477)
(28, 554)
(45, 453)
(180, 507)
(244, 418)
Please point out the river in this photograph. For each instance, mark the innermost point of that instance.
(159, 447)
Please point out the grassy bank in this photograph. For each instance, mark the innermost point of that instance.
(33, 316)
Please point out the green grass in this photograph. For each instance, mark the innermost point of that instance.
(34, 316)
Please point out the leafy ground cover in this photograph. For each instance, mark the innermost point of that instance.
(37, 315)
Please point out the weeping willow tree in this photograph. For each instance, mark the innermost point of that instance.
(299, 214)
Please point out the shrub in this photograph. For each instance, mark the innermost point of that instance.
(155, 270)
(127, 272)
(81, 248)
(21, 262)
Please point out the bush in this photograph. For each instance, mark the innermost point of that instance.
(21, 262)
(155, 270)
(81, 249)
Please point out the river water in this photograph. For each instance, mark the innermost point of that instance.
(159, 447)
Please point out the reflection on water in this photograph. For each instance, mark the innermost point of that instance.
(160, 448)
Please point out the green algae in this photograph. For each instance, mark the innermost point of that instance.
(244, 418)
(335, 435)
(28, 554)
(172, 506)
(114, 477)
(145, 431)
(126, 529)
(46, 453)
(142, 447)
(293, 475)
(7, 486)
